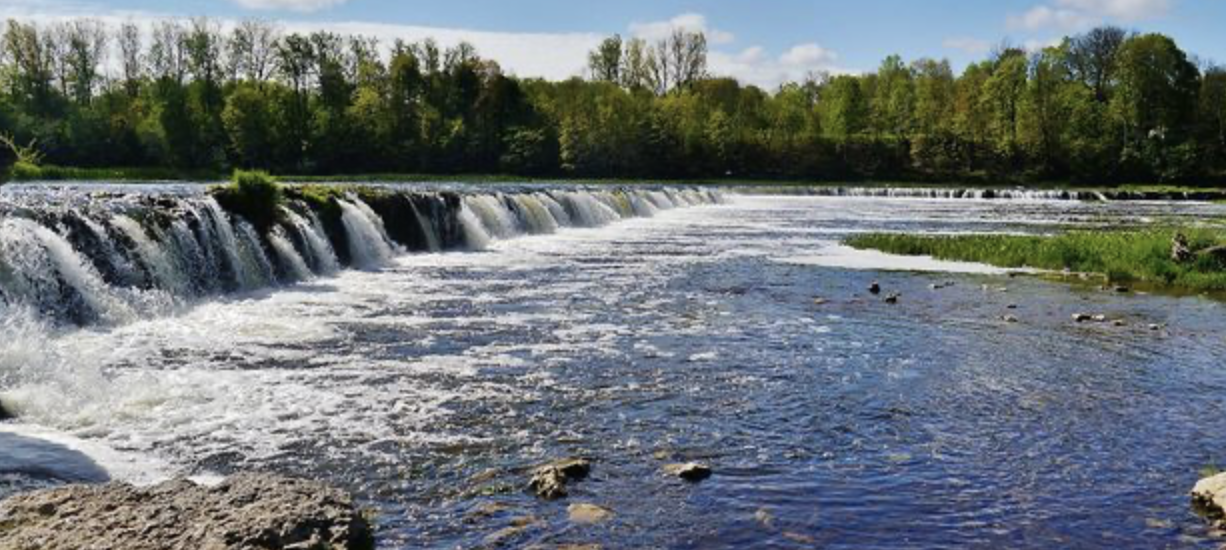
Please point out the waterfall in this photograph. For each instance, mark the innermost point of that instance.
(291, 261)
(497, 220)
(83, 258)
(946, 193)
(223, 232)
(368, 241)
(318, 249)
(586, 210)
(474, 231)
(41, 267)
(162, 268)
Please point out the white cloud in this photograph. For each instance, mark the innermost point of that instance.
(755, 66)
(304, 6)
(553, 56)
(1074, 15)
(752, 64)
(973, 46)
(1128, 10)
(691, 22)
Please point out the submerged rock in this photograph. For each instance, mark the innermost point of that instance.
(1209, 496)
(893, 298)
(245, 511)
(549, 480)
(588, 513)
(692, 471)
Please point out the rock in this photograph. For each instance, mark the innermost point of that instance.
(1214, 253)
(893, 298)
(799, 538)
(517, 527)
(549, 480)
(1010, 319)
(588, 513)
(1100, 318)
(245, 511)
(692, 471)
(4, 415)
(819, 301)
(1123, 289)
(1119, 323)
(765, 517)
(1180, 251)
(1209, 496)
(874, 288)
(1011, 306)
(487, 510)
(1155, 327)
(1082, 317)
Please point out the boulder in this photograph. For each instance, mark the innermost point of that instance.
(549, 480)
(692, 471)
(1209, 496)
(245, 511)
(588, 513)
(1216, 254)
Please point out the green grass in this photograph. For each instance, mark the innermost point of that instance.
(24, 172)
(254, 195)
(1126, 256)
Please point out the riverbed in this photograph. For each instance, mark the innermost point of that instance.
(741, 335)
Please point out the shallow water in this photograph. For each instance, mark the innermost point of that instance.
(431, 385)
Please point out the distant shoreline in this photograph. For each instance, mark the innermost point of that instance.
(1210, 191)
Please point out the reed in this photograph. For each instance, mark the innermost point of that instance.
(1126, 256)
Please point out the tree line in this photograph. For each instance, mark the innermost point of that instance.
(1102, 107)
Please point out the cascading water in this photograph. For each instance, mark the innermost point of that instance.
(318, 249)
(88, 259)
(368, 242)
(291, 261)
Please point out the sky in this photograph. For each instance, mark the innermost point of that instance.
(763, 42)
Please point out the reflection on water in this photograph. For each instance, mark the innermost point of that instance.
(430, 387)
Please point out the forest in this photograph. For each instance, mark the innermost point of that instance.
(1105, 107)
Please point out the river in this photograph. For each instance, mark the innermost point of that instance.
(430, 382)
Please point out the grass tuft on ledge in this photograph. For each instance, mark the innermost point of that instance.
(1125, 257)
(255, 196)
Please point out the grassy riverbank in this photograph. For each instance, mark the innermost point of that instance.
(151, 174)
(1133, 256)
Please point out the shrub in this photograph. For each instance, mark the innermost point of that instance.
(255, 196)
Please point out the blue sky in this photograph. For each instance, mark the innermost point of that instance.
(761, 41)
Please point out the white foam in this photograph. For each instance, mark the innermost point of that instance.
(845, 257)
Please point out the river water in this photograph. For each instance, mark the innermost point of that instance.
(430, 385)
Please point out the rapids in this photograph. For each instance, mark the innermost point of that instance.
(472, 333)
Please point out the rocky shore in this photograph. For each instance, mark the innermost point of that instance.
(245, 511)
(1209, 498)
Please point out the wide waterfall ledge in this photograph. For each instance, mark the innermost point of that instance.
(107, 257)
